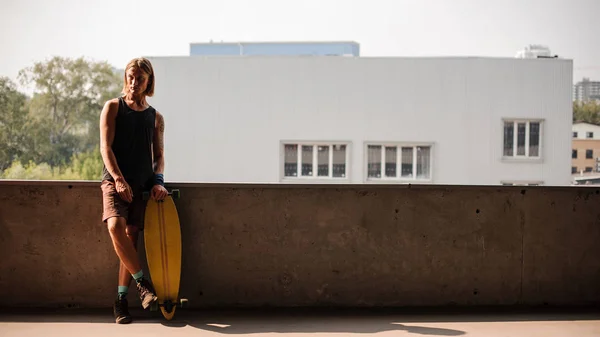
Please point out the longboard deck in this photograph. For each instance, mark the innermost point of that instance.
(162, 240)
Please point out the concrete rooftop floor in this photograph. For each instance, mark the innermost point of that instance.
(302, 323)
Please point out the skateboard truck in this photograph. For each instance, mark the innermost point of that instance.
(174, 193)
(169, 305)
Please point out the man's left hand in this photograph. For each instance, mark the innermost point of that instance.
(159, 192)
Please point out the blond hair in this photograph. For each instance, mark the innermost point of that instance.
(144, 65)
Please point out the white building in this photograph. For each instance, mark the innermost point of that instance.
(586, 131)
(455, 120)
(279, 48)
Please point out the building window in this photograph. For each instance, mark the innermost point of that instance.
(575, 134)
(589, 134)
(589, 154)
(589, 169)
(574, 154)
(522, 139)
(315, 160)
(400, 162)
(573, 169)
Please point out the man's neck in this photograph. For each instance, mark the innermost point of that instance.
(137, 100)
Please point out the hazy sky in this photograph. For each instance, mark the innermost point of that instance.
(118, 30)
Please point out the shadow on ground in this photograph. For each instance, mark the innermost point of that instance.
(302, 321)
(317, 325)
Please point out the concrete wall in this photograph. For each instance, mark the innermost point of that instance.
(227, 117)
(354, 245)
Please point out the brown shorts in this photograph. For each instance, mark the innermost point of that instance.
(114, 206)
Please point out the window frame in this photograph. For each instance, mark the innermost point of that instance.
(523, 158)
(315, 178)
(397, 180)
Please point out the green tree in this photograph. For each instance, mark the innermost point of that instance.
(588, 112)
(65, 108)
(31, 171)
(88, 165)
(12, 122)
(83, 166)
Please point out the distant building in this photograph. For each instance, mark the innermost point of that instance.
(585, 154)
(586, 90)
(534, 51)
(333, 48)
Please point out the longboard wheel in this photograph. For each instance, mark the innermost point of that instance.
(154, 306)
(169, 306)
(176, 194)
(183, 303)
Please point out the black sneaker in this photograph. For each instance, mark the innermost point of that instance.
(121, 311)
(146, 292)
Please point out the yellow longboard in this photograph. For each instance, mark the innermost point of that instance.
(162, 241)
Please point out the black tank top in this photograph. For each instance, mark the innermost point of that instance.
(132, 145)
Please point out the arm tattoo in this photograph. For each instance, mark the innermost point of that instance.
(159, 148)
(161, 133)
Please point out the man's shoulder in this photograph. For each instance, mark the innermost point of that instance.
(113, 102)
(112, 105)
(160, 120)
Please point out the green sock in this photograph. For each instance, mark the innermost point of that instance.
(138, 276)
(122, 291)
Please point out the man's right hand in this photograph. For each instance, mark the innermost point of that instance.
(123, 189)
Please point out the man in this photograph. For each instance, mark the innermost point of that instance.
(132, 147)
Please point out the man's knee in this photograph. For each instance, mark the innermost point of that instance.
(115, 225)
(132, 234)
